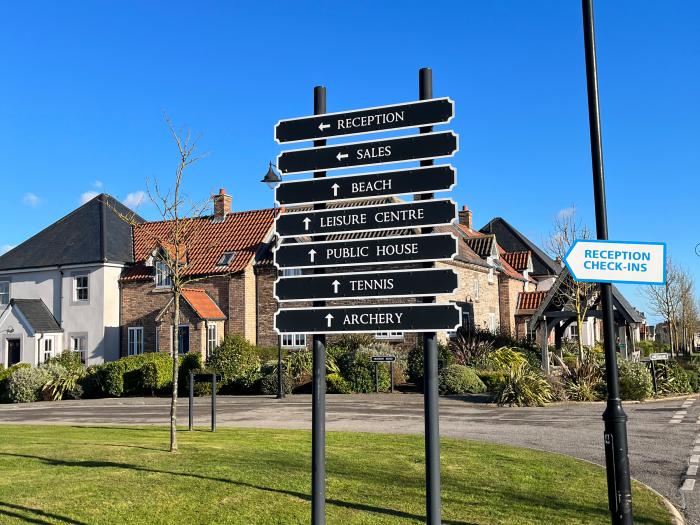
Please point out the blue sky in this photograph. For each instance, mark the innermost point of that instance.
(84, 86)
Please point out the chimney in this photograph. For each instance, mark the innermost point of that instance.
(465, 217)
(222, 204)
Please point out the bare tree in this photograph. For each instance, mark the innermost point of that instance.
(576, 296)
(172, 240)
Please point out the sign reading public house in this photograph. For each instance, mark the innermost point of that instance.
(367, 218)
(367, 285)
(382, 151)
(382, 250)
(360, 319)
(367, 185)
(398, 116)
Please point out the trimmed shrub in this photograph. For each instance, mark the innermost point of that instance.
(191, 361)
(635, 380)
(336, 384)
(357, 369)
(26, 384)
(492, 379)
(5, 374)
(414, 368)
(91, 382)
(156, 372)
(458, 380)
(268, 382)
(238, 363)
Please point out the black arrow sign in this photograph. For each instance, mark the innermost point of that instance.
(360, 319)
(383, 250)
(367, 218)
(367, 120)
(352, 187)
(367, 285)
(385, 151)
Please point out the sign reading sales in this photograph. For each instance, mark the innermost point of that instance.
(617, 262)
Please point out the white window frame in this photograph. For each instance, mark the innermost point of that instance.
(492, 322)
(162, 278)
(135, 340)
(212, 339)
(47, 350)
(477, 289)
(83, 344)
(77, 288)
(5, 294)
(293, 340)
(389, 336)
(226, 258)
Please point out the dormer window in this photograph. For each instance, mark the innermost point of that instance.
(226, 258)
(163, 279)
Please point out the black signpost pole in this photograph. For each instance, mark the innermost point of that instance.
(213, 402)
(615, 436)
(191, 406)
(318, 402)
(430, 357)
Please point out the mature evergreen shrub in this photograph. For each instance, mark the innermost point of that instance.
(492, 379)
(64, 382)
(458, 380)
(238, 363)
(523, 384)
(336, 384)
(5, 374)
(357, 368)
(635, 380)
(26, 384)
(671, 379)
(414, 366)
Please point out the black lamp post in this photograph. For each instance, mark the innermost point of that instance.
(272, 180)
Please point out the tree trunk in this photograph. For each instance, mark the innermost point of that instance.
(176, 352)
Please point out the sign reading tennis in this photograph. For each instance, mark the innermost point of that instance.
(617, 262)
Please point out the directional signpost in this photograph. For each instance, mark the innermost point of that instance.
(381, 151)
(393, 117)
(363, 319)
(367, 185)
(367, 285)
(380, 250)
(367, 218)
(617, 262)
(383, 233)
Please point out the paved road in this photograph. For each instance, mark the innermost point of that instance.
(664, 436)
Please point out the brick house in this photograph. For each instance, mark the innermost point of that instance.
(231, 292)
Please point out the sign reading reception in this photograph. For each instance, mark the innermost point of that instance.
(617, 262)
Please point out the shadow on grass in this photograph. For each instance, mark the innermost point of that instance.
(112, 464)
(40, 514)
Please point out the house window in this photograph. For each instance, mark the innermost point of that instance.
(211, 339)
(573, 330)
(4, 292)
(163, 279)
(477, 289)
(80, 288)
(293, 340)
(48, 349)
(490, 275)
(135, 345)
(392, 336)
(226, 258)
(491, 323)
(291, 272)
(78, 343)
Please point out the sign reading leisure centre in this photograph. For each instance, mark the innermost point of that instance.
(398, 116)
(617, 262)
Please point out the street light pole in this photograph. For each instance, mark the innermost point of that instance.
(615, 436)
(271, 179)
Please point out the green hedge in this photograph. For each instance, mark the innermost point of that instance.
(459, 380)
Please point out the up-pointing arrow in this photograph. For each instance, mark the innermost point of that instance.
(329, 318)
(306, 222)
(335, 284)
(335, 189)
(312, 252)
(323, 126)
(341, 156)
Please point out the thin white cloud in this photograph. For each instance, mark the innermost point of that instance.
(565, 213)
(135, 199)
(31, 199)
(87, 196)
(6, 248)
(97, 184)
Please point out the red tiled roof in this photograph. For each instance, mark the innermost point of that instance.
(518, 260)
(474, 234)
(202, 304)
(530, 300)
(241, 232)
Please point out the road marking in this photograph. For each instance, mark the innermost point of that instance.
(695, 458)
(674, 421)
(692, 470)
(688, 484)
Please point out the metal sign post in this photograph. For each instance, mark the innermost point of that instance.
(194, 378)
(615, 436)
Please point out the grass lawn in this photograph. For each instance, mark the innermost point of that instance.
(81, 475)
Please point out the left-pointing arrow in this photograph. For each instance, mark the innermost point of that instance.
(341, 156)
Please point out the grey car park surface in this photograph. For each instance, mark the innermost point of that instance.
(662, 434)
